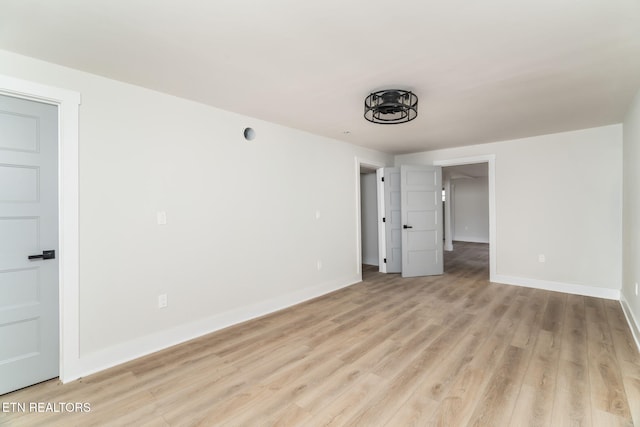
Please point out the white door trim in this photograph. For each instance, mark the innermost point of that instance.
(68, 103)
(369, 164)
(490, 159)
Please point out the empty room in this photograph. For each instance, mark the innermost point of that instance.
(363, 213)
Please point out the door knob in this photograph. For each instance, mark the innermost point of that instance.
(407, 226)
(45, 255)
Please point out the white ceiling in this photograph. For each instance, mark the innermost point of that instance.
(484, 71)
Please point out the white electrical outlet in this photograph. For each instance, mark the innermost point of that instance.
(162, 300)
(542, 258)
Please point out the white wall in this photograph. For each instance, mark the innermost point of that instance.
(471, 209)
(557, 195)
(631, 216)
(242, 237)
(369, 210)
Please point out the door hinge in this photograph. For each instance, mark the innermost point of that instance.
(384, 219)
(385, 260)
(382, 179)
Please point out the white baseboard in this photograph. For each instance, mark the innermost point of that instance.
(633, 322)
(568, 288)
(130, 350)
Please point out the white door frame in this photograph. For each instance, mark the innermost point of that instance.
(68, 281)
(490, 159)
(368, 164)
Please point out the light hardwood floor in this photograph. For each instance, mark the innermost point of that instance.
(453, 350)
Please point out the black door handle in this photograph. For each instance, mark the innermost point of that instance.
(407, 226)
(45, 255)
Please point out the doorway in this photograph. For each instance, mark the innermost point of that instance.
(466, 217)
(466, 168)
(466, 203)
(412, 222)
(67, 103)
(367, 216)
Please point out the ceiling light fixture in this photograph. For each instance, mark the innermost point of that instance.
(391, 106)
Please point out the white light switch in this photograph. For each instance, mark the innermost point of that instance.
(162, 218)
(162, 300)
(541, 258)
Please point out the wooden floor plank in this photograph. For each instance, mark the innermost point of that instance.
(496, 403)
(450, 350)
(349, 402)
(608, 395)
(572, 401)
(535, 401)
(632, 389)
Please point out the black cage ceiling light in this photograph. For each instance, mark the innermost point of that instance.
(391, 106)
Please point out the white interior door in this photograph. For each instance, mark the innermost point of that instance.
(29, 331)
(421, 212)
(392, 220)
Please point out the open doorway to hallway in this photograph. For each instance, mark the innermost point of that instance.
(466, 219)
(367, 215)
(369, 218)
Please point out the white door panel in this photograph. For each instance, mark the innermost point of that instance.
(393, 220)
(29, 332)
(18, 132)
(421, 192)
(24, 183)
